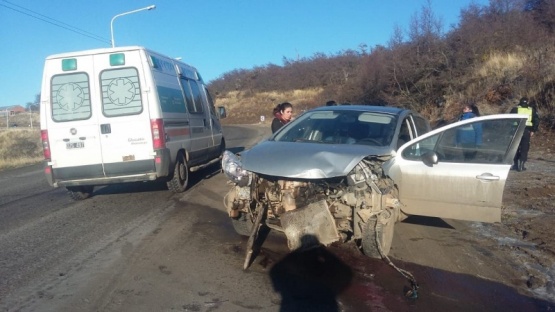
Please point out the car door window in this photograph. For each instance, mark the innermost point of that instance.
(479, 142)
(405, 133)
(421, 125)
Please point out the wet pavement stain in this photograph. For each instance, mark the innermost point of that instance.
(192, 307)
(439, 290)
(371, 285)
(164, 269)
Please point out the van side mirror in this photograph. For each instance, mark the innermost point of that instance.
(222, 112)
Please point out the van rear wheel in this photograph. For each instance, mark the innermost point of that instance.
(80, 192)
(180, 178)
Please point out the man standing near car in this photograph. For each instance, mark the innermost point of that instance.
(532, 124)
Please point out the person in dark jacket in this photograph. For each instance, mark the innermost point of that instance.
(282, 115)
(532, 124)
(469, 137)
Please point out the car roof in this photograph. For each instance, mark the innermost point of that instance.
(365, 108)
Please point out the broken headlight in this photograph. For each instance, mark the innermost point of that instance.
(233, 169)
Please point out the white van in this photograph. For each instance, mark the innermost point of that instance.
(125, 114)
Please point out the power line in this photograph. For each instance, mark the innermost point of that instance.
(53, 21)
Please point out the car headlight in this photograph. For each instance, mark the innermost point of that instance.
(233, 169)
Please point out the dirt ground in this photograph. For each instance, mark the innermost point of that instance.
(180, 253)
(529, 214)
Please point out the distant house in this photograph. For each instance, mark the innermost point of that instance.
(11, 110)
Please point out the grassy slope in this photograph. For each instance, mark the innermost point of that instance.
(21, 145)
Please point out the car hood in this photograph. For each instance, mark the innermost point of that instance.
(306, 160)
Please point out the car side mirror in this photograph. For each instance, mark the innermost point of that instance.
(430, 158)
(222, 112)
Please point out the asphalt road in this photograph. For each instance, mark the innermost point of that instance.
(138, 247)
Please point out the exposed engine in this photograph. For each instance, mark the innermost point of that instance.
(349, 201)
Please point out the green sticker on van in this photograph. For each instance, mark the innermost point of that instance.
(69, 64)
(117, 59)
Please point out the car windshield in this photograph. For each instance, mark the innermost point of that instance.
(340, 127)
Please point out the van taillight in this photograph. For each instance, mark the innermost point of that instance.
(45, 144)
(158, 135)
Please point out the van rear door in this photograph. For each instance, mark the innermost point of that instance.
(123, 113)
(72, 128)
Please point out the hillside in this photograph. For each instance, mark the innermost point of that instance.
(495, 55)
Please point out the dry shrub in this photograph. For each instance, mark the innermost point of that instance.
(451, 109)
(243, 108)
(493, 80)
(502, 66)
(498, 94)
(19, 147)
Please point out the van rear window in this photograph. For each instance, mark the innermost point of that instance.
(121, 92)
(70, 97)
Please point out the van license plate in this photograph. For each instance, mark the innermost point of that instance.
(73, 145)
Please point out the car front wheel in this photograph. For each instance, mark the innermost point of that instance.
(376, 235)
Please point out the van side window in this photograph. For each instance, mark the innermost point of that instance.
(210, 102)
(197, 97)
(70, 97)
(121, 92)
(188, 94)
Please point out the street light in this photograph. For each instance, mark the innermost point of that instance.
(150, 7)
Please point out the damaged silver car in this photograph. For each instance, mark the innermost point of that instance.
(349, 173)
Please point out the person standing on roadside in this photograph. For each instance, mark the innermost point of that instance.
(282, 115)
(469, 137)
(532, 124)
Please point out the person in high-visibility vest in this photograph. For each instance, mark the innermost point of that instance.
(532, 124)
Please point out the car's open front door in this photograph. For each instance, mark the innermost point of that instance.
(458, 171)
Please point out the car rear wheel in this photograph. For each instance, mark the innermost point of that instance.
(80, 192)
(180, 178)
(374, 232)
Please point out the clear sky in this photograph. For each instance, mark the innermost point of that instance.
(215, 36)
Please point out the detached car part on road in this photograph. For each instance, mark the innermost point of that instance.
(349, 173)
